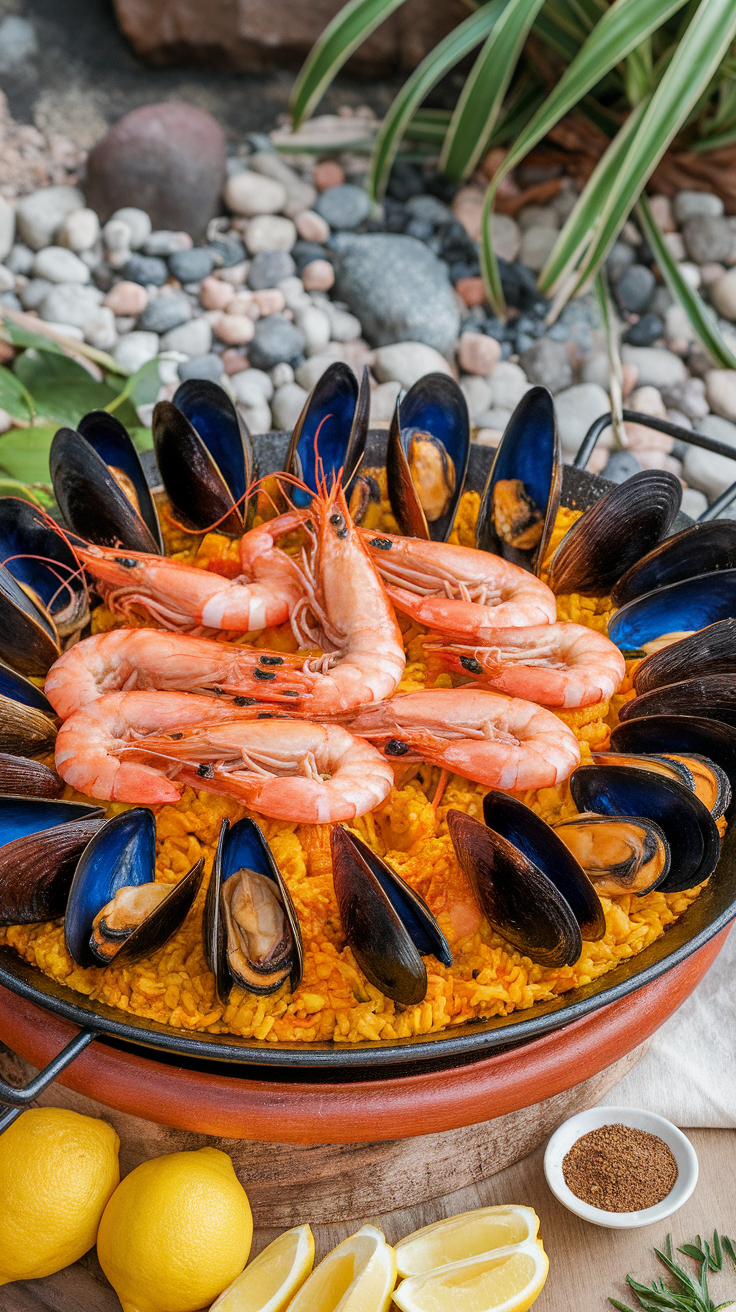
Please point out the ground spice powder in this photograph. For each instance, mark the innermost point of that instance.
(619, 1169)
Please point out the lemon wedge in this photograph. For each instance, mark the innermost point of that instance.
(273, 1278)
(507, 1280)
(468, 1235)
(357, 1276)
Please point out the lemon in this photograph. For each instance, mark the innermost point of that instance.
(57, 1171)
(272, 1279)
(468, 1235)
(358, 1276)
(176, 1232)
(507, 1280)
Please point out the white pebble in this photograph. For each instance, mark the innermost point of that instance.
(477, 393)
(269, 232)
(310, 371)
(311, 226)
(66, 329)
(100, 330)
(252, 387)
(407, 362)
(60, 265)
(315, 325)
(137, 222)
(383, 403)
(7, 279)
(252, 194)
(79, 230)
(70, 302)
(478, 354)
(168, 366)
(257, 417)
(287, 405)
(344, 327)
(509, 384)
(116, 235)
(293, 292)
(189, 339)
(281, 374)
(136, 349)
(694, 503)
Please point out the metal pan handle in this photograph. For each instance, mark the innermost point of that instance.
(19, 1099)
(672, 430)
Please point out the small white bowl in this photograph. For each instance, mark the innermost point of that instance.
(568, 1133)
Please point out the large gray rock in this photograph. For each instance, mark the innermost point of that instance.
(657, 367)
(398, 288)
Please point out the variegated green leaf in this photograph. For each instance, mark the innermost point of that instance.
(348, 29)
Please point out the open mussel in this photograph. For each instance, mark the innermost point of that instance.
(615, 532)
(688, 826)
(681, 736)
(711, 650)
(522, 495)
(40, 558)
(387, 925)
(628, 855)
(29, 641)
(678, 609)
(116, 912)
(42, 841)
(700, 549)
(100, 486)
(22, 777)
(427, 457)
(27, 718)
(205, 457)
(702, 776)
(330, 432)
(251, 930)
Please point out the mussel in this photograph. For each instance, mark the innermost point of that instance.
(522, 494)
(615, 532)
(628, 855)
(681, 736)
(22, 777)
(702, 776)
(713, 696)
(427, 457)
(688, 826)
(331, 429)
(27, 723)
(42, 842)
(40, 558)
(680, 608)
(388, 926)
(100, 485)
(29, 641)
(205, 457)
(251, 930)
(701, 549)
(115, 911)
(711, 650)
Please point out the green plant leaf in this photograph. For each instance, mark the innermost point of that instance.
(14, 397)
(142, 438)
(24, 454)
(140, 388)
(693, 63)
(61, 388)
(19, 334)
(485, 87)
(40, 495)
(455, 46)
(348, 29)
(699, 314)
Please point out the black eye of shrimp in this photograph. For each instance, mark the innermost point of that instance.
(395, 747)
(336, 519)
(264, 674)
(383, 544)
(126, 562)
(470, 664)
(270, 660)
(244, 701)
(205, 771)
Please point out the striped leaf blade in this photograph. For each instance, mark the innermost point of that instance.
(348, 29)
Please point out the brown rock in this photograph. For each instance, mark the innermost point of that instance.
(234, 361)
(328, 173)
(167, 159)
(471, 290)
(127, 298)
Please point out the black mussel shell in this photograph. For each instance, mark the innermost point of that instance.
(701, 549)
(123, 854)
(709, 651)
(687, 824)
(113, 443)
(413, 911)
(205, 457)
(28, 638)
(527, 465)
(92, 500)
(615, 532)
(518, 900)
(642, 872)
(22, 777)
(42, 842)
(435, 410)
(659, 765)
(212, 414)
(332, 428)
(243, 846)
(38, 555)
(380, 941)
(713, 696)
(702, 776)
(681, 735)
(683, 607)
(27, 723)
(519, 825)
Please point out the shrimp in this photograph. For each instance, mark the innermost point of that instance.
(128, 659)
(89, 743)
(287, 769)
(497, 741)
(186, 598)
(458, 590)
(553, 664)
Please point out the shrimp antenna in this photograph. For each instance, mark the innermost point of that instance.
(65, 584)
(211, 528)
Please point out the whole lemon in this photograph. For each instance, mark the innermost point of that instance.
(57, 1172)
(176, 1232)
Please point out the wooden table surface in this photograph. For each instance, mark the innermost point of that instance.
(587, 1264)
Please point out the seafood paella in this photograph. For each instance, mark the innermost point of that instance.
(347, 753)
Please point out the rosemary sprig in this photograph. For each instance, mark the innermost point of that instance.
(689, 1294)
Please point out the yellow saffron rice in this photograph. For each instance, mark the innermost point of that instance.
(334, 1001)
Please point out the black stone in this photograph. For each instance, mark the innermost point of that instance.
(645, 332)
(145, 269)
(404, 181)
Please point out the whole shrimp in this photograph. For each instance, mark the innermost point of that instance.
(553, 664)
(189, 599)
(124, 660)
(497, 741)
(288, 769)
(458, 590)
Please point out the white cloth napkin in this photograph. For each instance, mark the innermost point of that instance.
(689, 1072)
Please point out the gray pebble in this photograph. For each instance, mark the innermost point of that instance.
(165, 311)
(34, 293)
(138, 223)
(661, 301)
(267, 268)
(287, 405)
(708, 238)
(688, 203)
(60, 265)
(657, 367)
(398, 288)
(228, 251)
(646, 331)
(148, 270)
(166, 243)
(621, 465)
(343, 207)
(429, 209)
(634, 288)
(135, 350)
(693, 503)
(20, 259)
(688, 397)
(620, 258)
(40, 214)
(10, 301)
(281, 374)
(275, 339)
(546, 363)
(193, 338)
(711, 473)
(70, 303)
(192, 265)
(207, 366)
